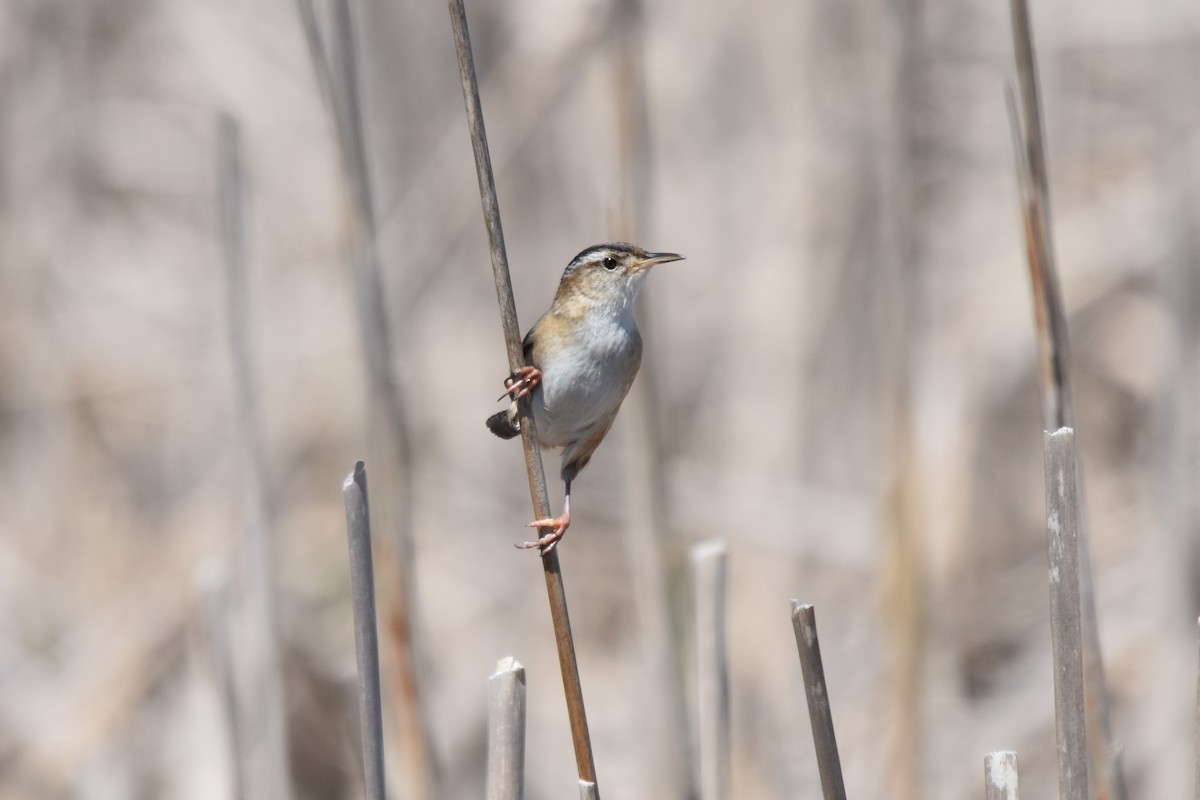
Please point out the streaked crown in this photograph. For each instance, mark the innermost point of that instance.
(605, 269)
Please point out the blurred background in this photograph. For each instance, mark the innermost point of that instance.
(840, 382)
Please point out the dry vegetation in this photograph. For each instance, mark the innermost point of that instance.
(846, 354)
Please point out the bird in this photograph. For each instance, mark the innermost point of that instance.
(580, 359)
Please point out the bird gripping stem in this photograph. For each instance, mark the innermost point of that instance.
(516, 359)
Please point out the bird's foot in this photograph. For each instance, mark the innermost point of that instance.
(558, 526)
(522, 383)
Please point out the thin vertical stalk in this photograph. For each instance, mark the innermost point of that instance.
(388, 413)
(1062, 525)
(268, 775)
(1055, 380)
(709, 562)
(506, 732)
(555, 591)
(1050, 319)
(902, 573)
(366, 637)
(1000, 776)
(820, 718)
(317, 52)
(646, 523)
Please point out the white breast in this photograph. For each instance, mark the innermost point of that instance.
(584, 382)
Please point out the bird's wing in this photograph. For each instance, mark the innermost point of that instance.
(527, 346)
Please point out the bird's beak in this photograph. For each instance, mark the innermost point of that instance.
(656, 258)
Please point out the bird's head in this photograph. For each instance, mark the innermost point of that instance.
(609, 274)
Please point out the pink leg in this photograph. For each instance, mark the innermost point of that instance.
(558, 526)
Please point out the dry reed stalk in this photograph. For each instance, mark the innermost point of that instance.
(535, 472)
(1054, 376)
(366, 637)
(1000, 776)
(664, 704)
(1032, 180)
(1062, 524)
(268, 775)
(820, 718)
(506, 732)
(588, 791)
(709, 567)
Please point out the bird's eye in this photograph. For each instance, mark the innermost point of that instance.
(610, 262)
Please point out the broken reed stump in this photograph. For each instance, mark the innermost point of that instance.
(1000, 776)
(1062, 527)
(820, 718)
(1050, 322)
(506, 731)
(366, 635)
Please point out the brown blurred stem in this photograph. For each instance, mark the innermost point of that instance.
(1049, 317)
(1055, 383)
(902, 574)
(390, 439)
(556, 593)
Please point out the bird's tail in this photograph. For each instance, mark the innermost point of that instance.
(505, 424)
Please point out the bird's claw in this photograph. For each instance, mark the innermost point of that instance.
(521, 383)
(558, 526)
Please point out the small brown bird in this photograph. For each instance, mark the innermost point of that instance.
(582, 356)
